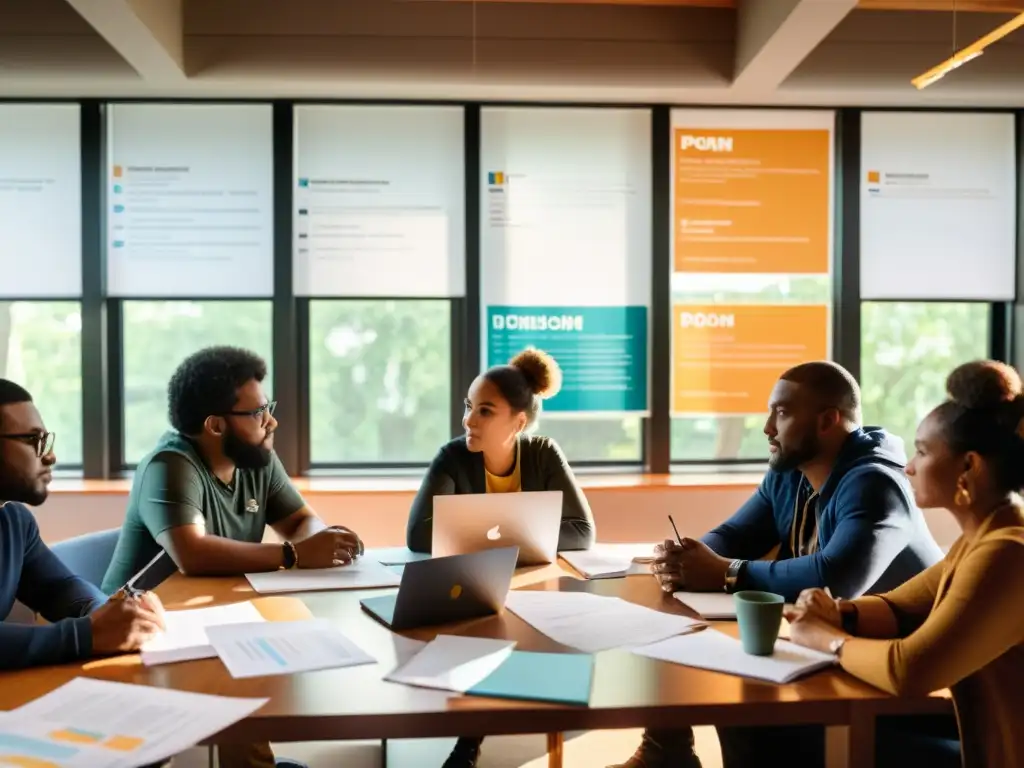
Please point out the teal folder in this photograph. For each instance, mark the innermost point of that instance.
(561, 678)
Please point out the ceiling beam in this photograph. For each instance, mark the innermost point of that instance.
(774, 36)
(147, 33)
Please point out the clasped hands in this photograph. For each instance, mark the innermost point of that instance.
(329, 548)
(816, 619)
(691, 565)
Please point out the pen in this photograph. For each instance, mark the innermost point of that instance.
(679, 538)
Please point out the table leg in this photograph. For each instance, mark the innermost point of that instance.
(853, 745)
(555, 743)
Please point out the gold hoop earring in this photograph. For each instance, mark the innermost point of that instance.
(962, 497)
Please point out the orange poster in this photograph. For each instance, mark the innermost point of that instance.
(754, 201)
(727, 357)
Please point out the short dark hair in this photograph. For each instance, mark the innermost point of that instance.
(207, 383)
(984, 414)
(832, 383)
(11, 393)
(530, 377)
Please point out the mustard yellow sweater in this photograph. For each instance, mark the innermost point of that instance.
(962, 627)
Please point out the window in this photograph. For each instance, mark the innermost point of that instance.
(588, 439)
(159, 335)
(41, 349)
(714, 438)
(907, 350)
(380, 380)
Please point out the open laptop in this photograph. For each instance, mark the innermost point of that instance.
(443, 590)
(474, 521)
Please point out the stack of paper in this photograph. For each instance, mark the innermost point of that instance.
(721, 653)
(362, 574)
(710, 605)
(453, 663)
(485, 667)
(609, 561)
(98, 724)
(591, 623)
(185, 638)
(282, 648)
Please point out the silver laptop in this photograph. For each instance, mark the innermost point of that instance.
(472, 522)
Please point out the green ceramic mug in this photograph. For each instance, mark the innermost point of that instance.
(759, 615)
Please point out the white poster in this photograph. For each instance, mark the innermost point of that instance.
(938, 206)
(565, 206)
(190, 200)
(379, 201)
(40, 201)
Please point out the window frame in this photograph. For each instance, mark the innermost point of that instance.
(101, 338)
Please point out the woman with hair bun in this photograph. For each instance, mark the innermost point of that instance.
(959, 624)
(499, 455)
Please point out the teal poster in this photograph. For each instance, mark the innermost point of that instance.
(602, 352)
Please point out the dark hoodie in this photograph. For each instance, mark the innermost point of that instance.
(862, 533)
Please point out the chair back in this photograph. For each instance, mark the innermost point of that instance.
(89, 555)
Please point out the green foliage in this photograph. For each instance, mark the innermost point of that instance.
(907, 350)
(380, 371)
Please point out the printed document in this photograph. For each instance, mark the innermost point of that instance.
(592, 623)
(284, 647)
(364, 573)
(609, 561)
(184, 638)
(721, 653)
(710, 605)
(453, 663)
(99, 724)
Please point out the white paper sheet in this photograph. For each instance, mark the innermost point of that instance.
(710, 605)
(185, 637)
(721, 653)
(99, 724)
(364, 573)
(284, 647)
(607, 561)
(453, 663)
(591, 623)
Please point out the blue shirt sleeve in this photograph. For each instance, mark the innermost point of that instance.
(750, 533)
(47, 587)
(873, 527)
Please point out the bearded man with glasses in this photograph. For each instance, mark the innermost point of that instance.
(82, 622)
(208, 490)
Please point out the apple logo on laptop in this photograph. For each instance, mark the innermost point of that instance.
(494, 534)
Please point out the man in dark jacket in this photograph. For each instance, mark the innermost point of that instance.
(838, 509)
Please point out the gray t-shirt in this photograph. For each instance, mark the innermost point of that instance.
(174, 487)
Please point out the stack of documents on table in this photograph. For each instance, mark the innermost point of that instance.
(610, 561)
(591, 623)
(99, 724)
(710, 605)
(362, 574)
(485, 667)
(285, 647)
(721, 653)
(184, 637)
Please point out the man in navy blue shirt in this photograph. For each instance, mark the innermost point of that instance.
(82, 622)
(837, 509)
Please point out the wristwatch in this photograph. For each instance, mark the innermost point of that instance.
(733, 574)
(289, 557)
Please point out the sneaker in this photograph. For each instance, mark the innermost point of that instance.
(465, 753)
(664, 749)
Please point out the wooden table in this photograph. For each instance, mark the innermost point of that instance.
(354, 703)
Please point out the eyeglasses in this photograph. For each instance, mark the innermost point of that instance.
(261, 414)
(43, 441)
